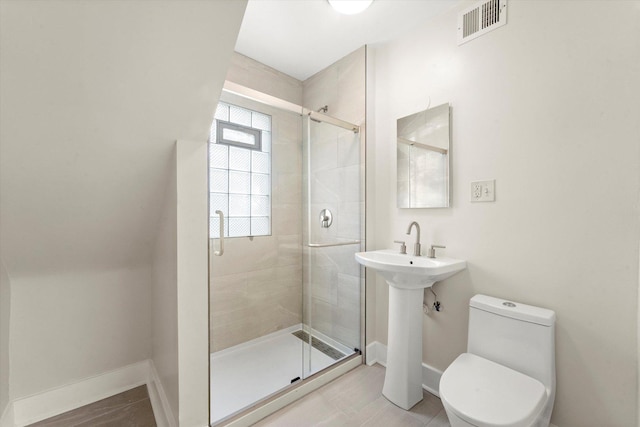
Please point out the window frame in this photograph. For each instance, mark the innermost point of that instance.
(261, 132)
(221, 125)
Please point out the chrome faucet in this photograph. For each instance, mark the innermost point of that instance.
(416, 248)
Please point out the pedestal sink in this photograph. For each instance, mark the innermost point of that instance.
(406, 276)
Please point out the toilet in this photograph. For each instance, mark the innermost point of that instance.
(507, 377)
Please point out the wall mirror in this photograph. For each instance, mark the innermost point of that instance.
(423, 159)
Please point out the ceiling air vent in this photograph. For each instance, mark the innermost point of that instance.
(480, 19)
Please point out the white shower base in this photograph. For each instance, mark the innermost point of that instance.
(246, 373)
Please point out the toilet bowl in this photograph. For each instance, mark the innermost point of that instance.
(507, 376)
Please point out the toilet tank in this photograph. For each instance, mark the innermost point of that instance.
(516, 335)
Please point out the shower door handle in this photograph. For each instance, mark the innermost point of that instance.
(330, 245)
(221, 251)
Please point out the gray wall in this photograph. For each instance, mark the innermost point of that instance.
(5, 317)
(164, 296)
(547, 105)
(84, 159)
(81, 323)
(258, 76)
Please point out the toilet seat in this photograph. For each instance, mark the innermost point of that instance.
(487, 394)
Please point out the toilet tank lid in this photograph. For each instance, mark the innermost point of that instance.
(515, 310)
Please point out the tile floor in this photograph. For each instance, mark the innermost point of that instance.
(131, 408)
(355, 399)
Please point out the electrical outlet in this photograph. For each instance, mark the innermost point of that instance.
(483, 191)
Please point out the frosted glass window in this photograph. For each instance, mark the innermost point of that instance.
(239, 227)
(222, 112)
(219, 156)
(240, 172)
(266, 142)
(219, 201)
(239, 205)
(218, 180)
(260, 162)
(239, 182)
(260, 184)
(239, 115)
(214, 227)
(260, 121)
(240, 136)
(260, 205)
(260, 225)
(239, 159)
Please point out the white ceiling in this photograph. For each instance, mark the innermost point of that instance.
(302, 37)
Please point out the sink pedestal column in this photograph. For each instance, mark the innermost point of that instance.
(403, 378)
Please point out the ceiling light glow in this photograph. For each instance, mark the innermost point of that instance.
(350, 7)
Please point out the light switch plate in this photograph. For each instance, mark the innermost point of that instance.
(483, 191)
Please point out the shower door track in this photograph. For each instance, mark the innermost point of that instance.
(273, 101)
(323, 118)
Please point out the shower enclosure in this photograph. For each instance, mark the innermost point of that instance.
(286, 217)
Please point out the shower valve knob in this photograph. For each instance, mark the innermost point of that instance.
(326, 218)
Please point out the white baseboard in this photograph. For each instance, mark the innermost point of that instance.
(6, 419)
(159, 402)
(377, 353)
(431, 379)
(41, 406)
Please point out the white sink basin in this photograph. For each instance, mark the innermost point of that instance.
(407, 271)
(407, 276)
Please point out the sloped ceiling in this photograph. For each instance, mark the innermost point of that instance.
(93, 95)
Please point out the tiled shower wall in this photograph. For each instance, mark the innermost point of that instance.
(341, 87)
(255, 286)
(332, 279)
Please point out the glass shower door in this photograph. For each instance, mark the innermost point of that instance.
(333, 203)
(255, 162)
(285, 294)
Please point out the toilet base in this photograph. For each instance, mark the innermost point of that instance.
(542, 421)
(456, 421)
